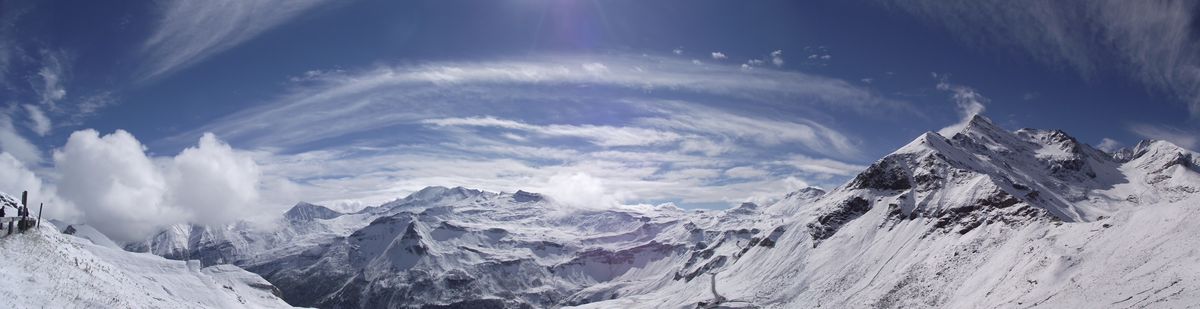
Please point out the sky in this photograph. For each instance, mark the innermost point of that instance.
(139, 114)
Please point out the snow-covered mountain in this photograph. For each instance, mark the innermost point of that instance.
(983, 218)
(43, 268)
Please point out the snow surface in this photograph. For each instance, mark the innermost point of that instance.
(986, 218)
(43, 268)
(91, 234)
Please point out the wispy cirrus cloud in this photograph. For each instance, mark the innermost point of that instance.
(1175, 135)
(38, 122)
(188, 32)
(1155, 43)
(343, 103)
(759, 130)
(823, 166)
(52, 77)
(644, 128)
(601, 135)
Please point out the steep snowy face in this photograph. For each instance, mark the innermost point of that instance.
(1158, 171)
(985, 171)
(985, 218)
(43, 268)
(1155, 156)
(793, 202)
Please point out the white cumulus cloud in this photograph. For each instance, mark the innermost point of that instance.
(16, 145)
(128, 195)
(17, 178)
(581, 191)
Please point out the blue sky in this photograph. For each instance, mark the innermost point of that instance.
(700, 103)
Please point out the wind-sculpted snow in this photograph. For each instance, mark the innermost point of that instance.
(983, 218)
(43, 268)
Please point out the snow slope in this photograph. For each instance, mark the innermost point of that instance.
(43, 268)
(986, 218)
(89, 233)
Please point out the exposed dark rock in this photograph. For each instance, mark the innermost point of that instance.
(477, 304)
(772, 238)
(999, 200)
(828, 224)
(883, 175)
(526, 197)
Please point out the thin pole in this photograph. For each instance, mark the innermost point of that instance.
(39, 224)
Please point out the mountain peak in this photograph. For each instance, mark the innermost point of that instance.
(806, 193)
(432, 193)
(980, 119)
(1158, 155)
(304, 211)
(928, 141)
(522, 197)
(981, 125)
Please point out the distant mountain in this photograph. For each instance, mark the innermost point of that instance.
(308, 212)
(984, 218)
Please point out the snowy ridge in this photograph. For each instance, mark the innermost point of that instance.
(44, 268)
(87, 232)
(307, 212)
(955, 222)
(7, 202)
(984, 218)
(462, 247)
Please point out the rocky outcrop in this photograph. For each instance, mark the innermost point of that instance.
(828, 223)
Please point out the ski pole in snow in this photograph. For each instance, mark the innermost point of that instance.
(39, 223)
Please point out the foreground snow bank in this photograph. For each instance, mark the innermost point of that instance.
(46, 269)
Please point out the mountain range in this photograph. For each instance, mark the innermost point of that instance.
(985, 218)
